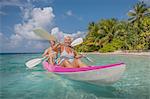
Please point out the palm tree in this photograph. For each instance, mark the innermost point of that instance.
(123, 33)
(138, 12)
(91, 25)
(106, 32)
(93, 28)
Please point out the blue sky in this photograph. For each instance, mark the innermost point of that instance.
(19, 17)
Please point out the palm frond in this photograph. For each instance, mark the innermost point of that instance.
(132, 19)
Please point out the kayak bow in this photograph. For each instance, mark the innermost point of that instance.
(99, 75)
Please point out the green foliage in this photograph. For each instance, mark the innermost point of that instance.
(138, 12)
(116, 44)
(108, 35)
(107, 48)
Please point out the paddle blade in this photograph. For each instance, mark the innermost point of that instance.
(32, 63)
(44, 34)
(77, 42)
(89, 59)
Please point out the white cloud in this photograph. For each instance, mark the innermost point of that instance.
(4, 41)
(60, 34)
(42, 17)
(22, 3)
(69, 13)
(45, 1)
(35, 45)
(79, 34)
(12, 3)
(2, 13)
(15, 41)
(24, 36)
(3, 38)
(36, 18)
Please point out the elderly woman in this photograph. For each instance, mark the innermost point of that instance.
(68, 57)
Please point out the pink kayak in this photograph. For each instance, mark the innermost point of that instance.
(99, 75)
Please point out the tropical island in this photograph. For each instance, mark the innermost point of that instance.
(111, 35)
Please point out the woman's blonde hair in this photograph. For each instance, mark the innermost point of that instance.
(69, 36)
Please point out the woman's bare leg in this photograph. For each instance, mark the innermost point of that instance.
(78, 63)
(67, 64)
(51, 57)
(50, 61)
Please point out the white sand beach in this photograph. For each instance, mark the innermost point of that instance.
(121, 53)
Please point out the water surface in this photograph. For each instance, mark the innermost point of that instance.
(18, 82)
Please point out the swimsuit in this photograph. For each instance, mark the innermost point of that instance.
(64, 55)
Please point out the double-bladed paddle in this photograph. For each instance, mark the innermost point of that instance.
(33, 62)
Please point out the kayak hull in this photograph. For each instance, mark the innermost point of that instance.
(99, 75)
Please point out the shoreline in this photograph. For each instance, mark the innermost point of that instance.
(120, 53)
(98, 53)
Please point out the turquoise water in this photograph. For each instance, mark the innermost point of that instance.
(17, 82)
